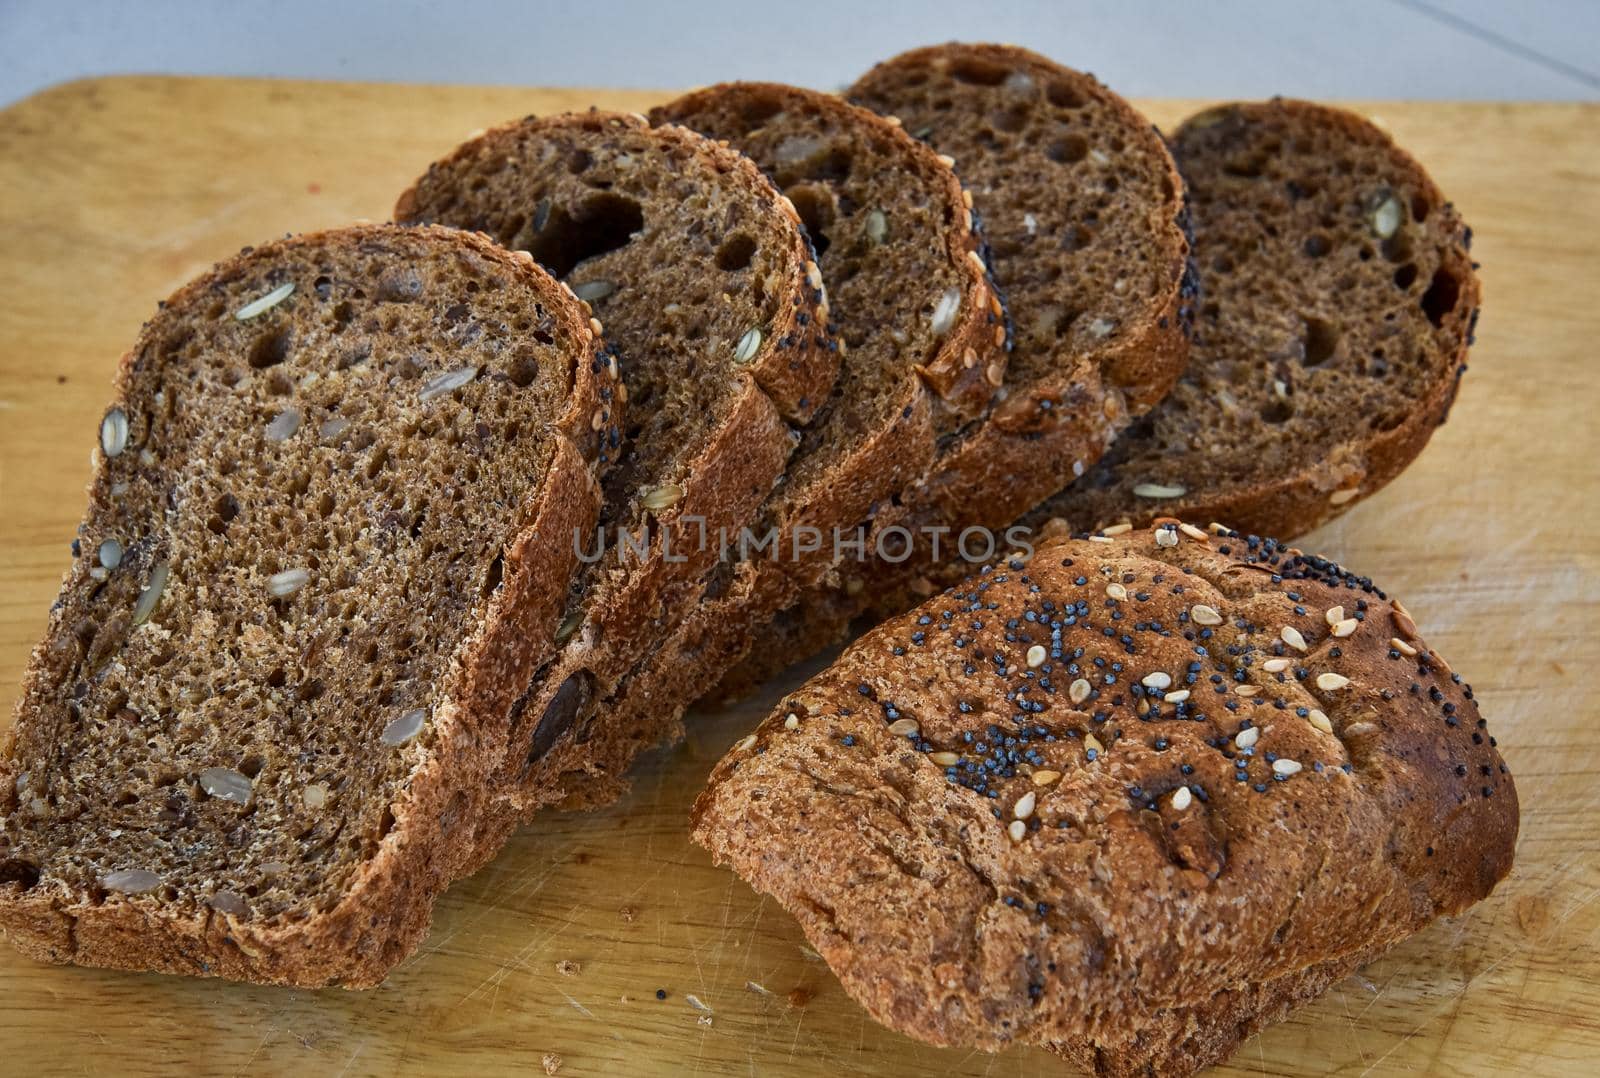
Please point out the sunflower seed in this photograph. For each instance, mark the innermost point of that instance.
(404, 728)
(1402, 647)
(745, 743)
(1319, 720)
(283, 425)
(747, 347)
(1036, 656)
(1192, 532)
(1181, 798)
(1092, 744)
(1024, 806)
(589, 291)
(1276, 666)
(114, 433)
(334, 427)
(1285, 767)
(130, 881)
(226, 784)
(263, 304)
(905, 728)
(1166, 537)
(1117, 529)
(1334, 615)
(1017, 830)
(1385, 217)
(1331, 682)
(944, 759)
(1339, 497)
(944, 311)
(1345, 627)
(314, 796)
(110, 553)
(1159, 490)
(1045, 777)
(288, 582)
(446, 382)
(1079, 691)
(1205, 615)
(877, 227)
(1292, 637)
(151, 595)
(1247, 737)
(1176, 697)
(663, 497)
(1160, 679)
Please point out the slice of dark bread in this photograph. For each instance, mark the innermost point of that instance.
(703, 275)
(1084, 213)
(328, 538)
(1130, 799)
(1339, 301)
(922, 337)
(1083, 210)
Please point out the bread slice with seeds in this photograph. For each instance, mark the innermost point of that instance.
(922, 335)
(1084, 213)
(703, 275)
(1339, 301)
(328, 528)
(998, 824)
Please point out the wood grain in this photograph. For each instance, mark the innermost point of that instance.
(116, 191)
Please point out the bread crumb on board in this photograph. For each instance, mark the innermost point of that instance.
(568, 968)
(551, 1062)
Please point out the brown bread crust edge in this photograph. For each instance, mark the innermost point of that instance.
(387, 909)
(1163, 925)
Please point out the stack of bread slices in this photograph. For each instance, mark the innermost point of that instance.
(471, 507)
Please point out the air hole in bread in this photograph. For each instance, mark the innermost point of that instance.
(1405, 276)
(570, 700)
(1318, 244)
(495, 573)
(524, 369)
(1064, 95)
(815, 205)
(1277, 411)
(1398, 248)
(736, 252)
(978, 72)
(605, 222)
(1441, 296)
(1320, 341)
(270, 349)
(1068, 150)
(23, 875)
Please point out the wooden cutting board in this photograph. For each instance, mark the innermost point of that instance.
(115, 191)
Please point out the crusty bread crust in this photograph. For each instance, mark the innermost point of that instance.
(385, 910)
(1133, 798)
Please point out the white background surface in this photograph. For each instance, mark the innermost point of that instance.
(1467, 49)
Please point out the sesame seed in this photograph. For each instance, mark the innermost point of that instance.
(1319, 720)
(1017, 830)
(1275, 666)
(1079, 691)
(1331, 681)
(1285, 767)
(265, 303)
(1247, 737)
(1181, 798)
(1205, 615)
(1024, 806)
(1292, 637)
(1036, 656)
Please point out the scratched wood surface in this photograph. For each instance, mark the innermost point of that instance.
(115, 191)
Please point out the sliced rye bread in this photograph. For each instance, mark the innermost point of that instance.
(704, 276)
(922, 336)
(1339, 302)
(327, 541)
(1000, 822)
(1084, 212)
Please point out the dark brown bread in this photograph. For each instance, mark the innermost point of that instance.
(1130, 799)
(1339, 301)
(329, 525)
(1084, 211)
(702, 272)
(1325, 354)
(924, 347)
